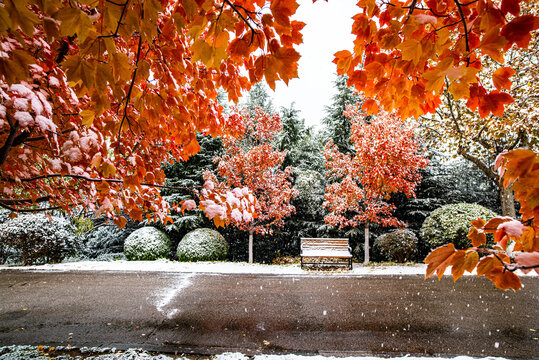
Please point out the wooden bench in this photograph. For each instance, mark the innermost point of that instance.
(325, 249)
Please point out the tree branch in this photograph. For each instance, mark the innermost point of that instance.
(480, 164)
(87, 178)
(13, 128)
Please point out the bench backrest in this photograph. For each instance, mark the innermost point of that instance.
(324, 243)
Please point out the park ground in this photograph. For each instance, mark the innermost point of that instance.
(302, 312)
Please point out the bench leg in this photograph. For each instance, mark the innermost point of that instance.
(301, 259)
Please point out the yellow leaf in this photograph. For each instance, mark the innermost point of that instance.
(121, 67)
(527, 239)
(87, 117)
(103, 77)
(221, 40)
(435, 80)
(201, 51)
(411, 50)
(190, 7)
(22, 16)
(108, 169)
(459, 90)
(74, 21)
(5, 20)
(96, 160)
(151, 8)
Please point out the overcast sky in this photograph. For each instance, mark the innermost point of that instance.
(327, 31)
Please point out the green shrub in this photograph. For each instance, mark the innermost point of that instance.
(147, 243)
(106, 239)
(38, 238)
(451, 223)
(202, 245)
(398, 245)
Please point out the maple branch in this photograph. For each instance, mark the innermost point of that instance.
(13, 128)
(459, 7)
(128, 96)
(480, 164)
(121, 17)
(28, 210)
(243, 18)
(115, 3)
(23, 201)
(87, 178)
(448, 25)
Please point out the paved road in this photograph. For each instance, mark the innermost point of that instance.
(204, 314)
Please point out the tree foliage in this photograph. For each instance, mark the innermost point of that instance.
(385, 161)
(456, 128)
(517, 242)
(250, 161)
(406, 53)
(97, 94)
(336, 123)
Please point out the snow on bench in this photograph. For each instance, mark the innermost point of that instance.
(335, 248)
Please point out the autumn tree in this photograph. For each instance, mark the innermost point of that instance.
(385, 161)
(456, 128)
(407, 55)
(96, 95)
(252, 162)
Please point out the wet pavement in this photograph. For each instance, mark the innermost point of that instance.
(305, 314)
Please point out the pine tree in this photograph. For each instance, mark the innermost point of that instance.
(337, 125)
(258, 96)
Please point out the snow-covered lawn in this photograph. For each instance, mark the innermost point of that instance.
(33, 353)
(225, 267)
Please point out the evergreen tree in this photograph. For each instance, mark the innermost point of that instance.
(337, 125)
(258, 96)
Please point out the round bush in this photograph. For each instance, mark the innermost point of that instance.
(147, 243)
(38, 238)
(398, 245)
(451, 223)
(202, 245)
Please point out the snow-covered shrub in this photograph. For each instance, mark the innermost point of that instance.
(399, 245)
(106, 239)
(451, 223)
(147, 243)
(39, 238)
(202, 245)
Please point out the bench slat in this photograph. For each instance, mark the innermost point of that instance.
(326, 248)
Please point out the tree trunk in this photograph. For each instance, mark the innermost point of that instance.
(507, 198)
(250, 246)
(366, 260)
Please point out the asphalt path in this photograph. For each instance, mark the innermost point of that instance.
(306, 314)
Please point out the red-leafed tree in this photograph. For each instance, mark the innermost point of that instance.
(385, 161)
(407, 54)
(252, 162)
(96, 95)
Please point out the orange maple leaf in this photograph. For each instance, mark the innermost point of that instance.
(518, 30)
(494, 103)
(501, 76)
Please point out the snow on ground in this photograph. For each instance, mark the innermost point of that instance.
(35, 353)
(224, 267)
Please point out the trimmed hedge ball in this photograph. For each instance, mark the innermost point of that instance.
(147, 243)
(451, 223)
(202, 245)
(398, 245)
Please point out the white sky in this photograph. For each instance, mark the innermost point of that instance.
(327, 31)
